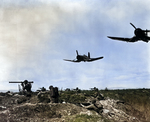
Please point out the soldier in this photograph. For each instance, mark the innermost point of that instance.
(54, 94)
(26, 86)
(94, 104)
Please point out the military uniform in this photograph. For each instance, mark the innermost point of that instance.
(54, 95)
(26, 88)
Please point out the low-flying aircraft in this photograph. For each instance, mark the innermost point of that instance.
(84, 58)
(139, 35)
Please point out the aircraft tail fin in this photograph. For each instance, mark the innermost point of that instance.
(88, 55)
(77, 52)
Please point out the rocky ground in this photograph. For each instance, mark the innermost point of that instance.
(72, 107)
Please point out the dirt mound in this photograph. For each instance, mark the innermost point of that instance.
(43, 112)
(73, 107)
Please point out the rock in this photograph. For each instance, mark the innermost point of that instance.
(19, 99)
(2, 108)
(9, 94)
(111, 111)
(86, 113)
(105, 111)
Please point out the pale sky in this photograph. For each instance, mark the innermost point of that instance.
(36, 35)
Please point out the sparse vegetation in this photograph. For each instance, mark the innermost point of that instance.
(88, 118)
(130, 96)
(71, 96)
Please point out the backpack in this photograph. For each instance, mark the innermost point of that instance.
(28, 87)
(53, 92)
(56, 91)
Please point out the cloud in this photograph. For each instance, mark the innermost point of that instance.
(35, 38)
(29, 40)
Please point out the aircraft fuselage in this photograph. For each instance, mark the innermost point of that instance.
(82, 57)
(140, 33)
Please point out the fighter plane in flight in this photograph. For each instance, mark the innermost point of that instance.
(139, 35)
(84, 58)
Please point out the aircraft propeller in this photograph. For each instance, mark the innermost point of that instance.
(141, 29)
(133, 25)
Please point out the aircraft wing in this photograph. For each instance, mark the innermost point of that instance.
(72, 60)
(120, 38)
(133, 39)
(93, 59)
(147, 39)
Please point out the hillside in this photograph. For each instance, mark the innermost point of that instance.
(128, 105)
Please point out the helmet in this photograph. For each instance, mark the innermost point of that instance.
(25, 81)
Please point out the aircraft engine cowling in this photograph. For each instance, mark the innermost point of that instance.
(138, 32)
